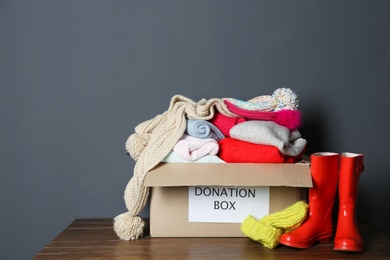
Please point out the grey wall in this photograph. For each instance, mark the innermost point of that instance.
(76, 77)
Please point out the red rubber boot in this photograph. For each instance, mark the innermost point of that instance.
(347, 235)
(318, 226)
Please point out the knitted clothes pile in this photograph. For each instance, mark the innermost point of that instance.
(264, 130)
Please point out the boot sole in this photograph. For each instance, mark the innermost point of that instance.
(322, 238)
(348, 249)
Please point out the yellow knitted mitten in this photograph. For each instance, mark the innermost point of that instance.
(268, 229)
(289, 218)
(259, 232)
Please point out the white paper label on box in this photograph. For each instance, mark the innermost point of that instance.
(227, 204)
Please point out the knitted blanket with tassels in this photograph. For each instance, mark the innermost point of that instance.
(151, 142)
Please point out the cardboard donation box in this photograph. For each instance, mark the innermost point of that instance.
(212, 199)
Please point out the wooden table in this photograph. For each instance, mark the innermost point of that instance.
(96, 239)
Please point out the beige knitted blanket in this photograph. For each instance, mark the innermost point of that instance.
(151, 142)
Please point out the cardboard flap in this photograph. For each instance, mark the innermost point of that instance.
(229, 174)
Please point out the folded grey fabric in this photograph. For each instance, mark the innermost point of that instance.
(203, 129)
(270, 133)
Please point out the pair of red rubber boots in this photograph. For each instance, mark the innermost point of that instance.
(318, 227)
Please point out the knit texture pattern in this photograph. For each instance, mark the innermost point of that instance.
(236, 151)
(270, 133)
(286, 117)
(151, 142)
(192, 148)
(225, 123)
(282, 98)
(268, 229)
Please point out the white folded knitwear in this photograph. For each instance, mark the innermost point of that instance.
(173, 157)
(192, 148)
(270, 133)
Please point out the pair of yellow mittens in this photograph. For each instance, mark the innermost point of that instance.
(268, 229)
